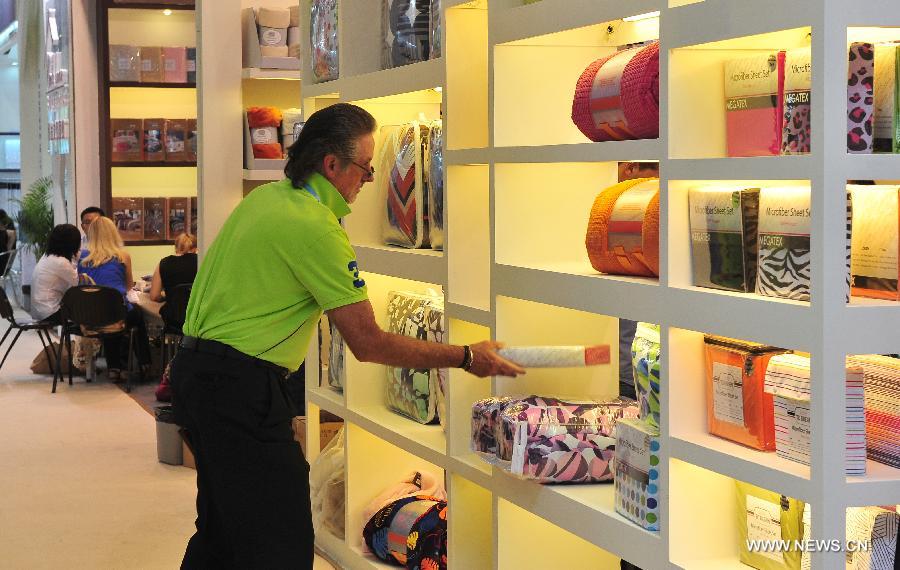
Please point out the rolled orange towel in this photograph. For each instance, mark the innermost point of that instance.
(264, 123)
(623, 230)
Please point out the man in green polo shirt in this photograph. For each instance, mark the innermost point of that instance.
(281, 259)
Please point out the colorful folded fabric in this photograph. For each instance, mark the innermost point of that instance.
(860, 98)
(406, 32)
(323, 26)
(411, 532)
(797, 85)
(788, 381)
(434, 168)
(885, 122)
(485, 419)
(556, 441)
(724, 224)
(737, 406)
(637, 466)
(415, 392)
(401, 166)
(623, 229)
(876, 527)
(617, 97)
(327, 480)
(764, 515)
(264, 123)
(556, 356)
(784, 245)
(645, 366)
(414, 484)
(753, 89)
(875, 241)
(882, 381)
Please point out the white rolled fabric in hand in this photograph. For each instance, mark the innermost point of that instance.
(293, 36)
(274, 17)
(556, 356)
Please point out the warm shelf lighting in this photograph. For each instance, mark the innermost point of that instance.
(168, 12)
(439, 89)
(639, 17)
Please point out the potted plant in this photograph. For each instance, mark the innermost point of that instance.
(36, 216)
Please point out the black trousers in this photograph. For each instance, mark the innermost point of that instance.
(116, 348)
(253, 506)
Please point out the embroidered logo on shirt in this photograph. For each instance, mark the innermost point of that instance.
(354, 268)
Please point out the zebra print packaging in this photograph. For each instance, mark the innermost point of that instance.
(784, 258)
(723, 237)
(874, 268)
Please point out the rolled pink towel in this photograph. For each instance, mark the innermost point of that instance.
(617, 97)
(556, 356)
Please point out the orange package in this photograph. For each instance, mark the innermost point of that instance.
(623, 230)
(264, 123)
(737, 406)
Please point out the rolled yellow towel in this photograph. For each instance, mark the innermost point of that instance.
(274, 17)
(295, 15)
(273, 51)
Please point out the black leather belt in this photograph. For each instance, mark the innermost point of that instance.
(216, 348)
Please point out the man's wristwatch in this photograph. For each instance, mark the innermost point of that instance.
(468, 358)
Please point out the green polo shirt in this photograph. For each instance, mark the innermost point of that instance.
(280, 260)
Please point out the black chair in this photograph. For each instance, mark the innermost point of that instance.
(174, 313)
(41, 327)
(92, 311)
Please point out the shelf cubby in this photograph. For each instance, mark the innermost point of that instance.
(470, 525)
(468, 228)
(462, 390)
(696, 114)
(559, 59)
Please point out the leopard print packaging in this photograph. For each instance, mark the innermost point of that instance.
(860, 98)
(797, 85)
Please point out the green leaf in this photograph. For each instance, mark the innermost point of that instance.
(35, 217)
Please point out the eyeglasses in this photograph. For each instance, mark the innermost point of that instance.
(370, 172)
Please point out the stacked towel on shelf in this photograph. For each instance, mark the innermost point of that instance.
(882, 378)
(788, 381)
(264, 123)
(623, 229)
(272, 26)
(617, 97)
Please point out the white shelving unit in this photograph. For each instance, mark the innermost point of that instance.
(519, 183)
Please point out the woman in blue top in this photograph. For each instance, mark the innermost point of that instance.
(105, 262)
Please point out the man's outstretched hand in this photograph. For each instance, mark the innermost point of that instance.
(486, 361)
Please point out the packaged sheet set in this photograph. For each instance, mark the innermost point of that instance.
(724, 224)
(407, 32)
(886, 127)
(637, 466)
(783, 269)
(860, 98)
(797, 86)
(434, 167)
(413, 392)
(737, 406)
(402, 183)
(753, 105)
(874, 267)
(766, 515)
(878, 527)
(323, 39)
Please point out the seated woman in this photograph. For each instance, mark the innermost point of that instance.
(55, 272)
(174, 270)
(106, 263)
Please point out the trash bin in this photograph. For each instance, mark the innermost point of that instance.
(168, 440)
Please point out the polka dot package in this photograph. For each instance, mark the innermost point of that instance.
(637, 467)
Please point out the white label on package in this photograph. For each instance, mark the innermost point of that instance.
(875, 233)
(764, 524)
(191, 65)
(606, 92)
(264, 135)
(171, 64)
(272, 37)
(124, 63)
(627, 219)
(799, 426)
(728, 393)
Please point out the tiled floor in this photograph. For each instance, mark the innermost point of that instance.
(80, 485)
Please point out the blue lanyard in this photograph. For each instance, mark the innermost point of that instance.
(309, 189)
